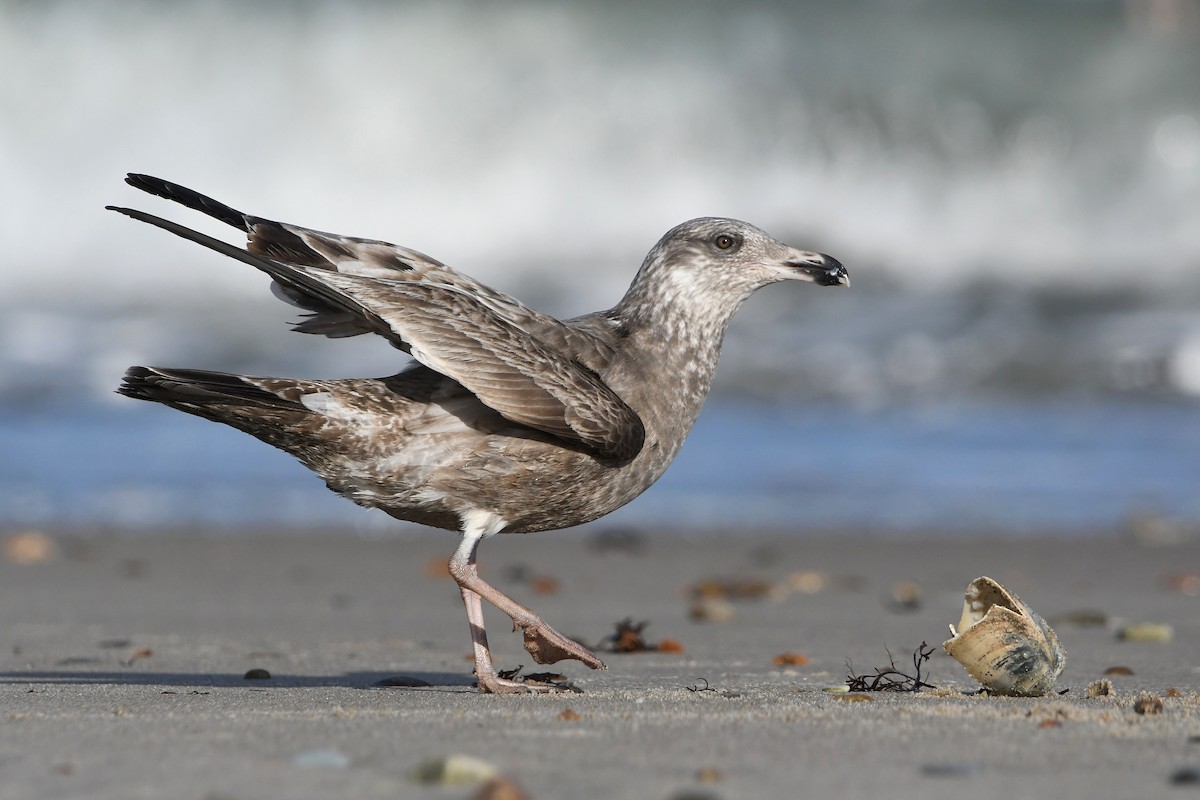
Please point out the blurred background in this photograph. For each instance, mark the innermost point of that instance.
(1014, 186)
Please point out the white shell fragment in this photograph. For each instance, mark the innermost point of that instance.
(1004, 644)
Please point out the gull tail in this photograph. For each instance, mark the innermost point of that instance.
(266, 408)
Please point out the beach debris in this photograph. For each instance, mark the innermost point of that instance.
(904, 597)
(618, 540)
(454, 770)
(556, 679)
(1184, 582)
(1147, 704)
(1146, 632)
(403, 681)
(854, 697)
(137, 655)
(114, 644)
(1118, 670)
(569, 715)
(257, 674)
(321, 759)
(1102, 688)
(892, 678)
(1003, 644)
(500, 788)
(697, 688)
(29, 547)
(711, 609)
(1082, 618)
(1186, 776)
(951, 769)
(807, 581)
(740, 589)
(1172, 692)
(627, 638)
(544, 584)
(790, 659)
(540, 584)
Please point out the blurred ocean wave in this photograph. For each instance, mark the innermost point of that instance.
(1015, 186)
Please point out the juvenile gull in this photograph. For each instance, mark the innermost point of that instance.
(508, 420)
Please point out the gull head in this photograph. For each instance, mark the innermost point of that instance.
(721, 260)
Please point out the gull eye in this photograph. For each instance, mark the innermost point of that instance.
(725, 241)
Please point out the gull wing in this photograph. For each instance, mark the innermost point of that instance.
(528, 367)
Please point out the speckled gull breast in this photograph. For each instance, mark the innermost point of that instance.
(507, 420)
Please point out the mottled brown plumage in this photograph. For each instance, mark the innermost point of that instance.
(510, 420)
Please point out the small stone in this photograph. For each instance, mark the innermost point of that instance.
(1146, 632)
(568, 715)
(257, 674)
(807, 581)
(1118, 671)
(321, 759)
(669, 646)
(29, 547)
(904, 597)
(544, 585)
(711, 609)
(500, 788)
(1185, 583)
(454, 770)
(949, 770)
(790, 659)
(1188, 776)
(855, 697)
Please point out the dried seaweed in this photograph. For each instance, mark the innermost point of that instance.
(555, 679)
(892, 678)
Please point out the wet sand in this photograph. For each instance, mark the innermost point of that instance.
(123, 666)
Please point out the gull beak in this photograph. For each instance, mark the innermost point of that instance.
(818, 268)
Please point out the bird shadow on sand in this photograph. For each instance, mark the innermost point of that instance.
(391, 681)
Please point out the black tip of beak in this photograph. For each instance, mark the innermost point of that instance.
(827, 271)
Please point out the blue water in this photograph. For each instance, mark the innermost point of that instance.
(1070, 466)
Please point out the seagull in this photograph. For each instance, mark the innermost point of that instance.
(506, 420)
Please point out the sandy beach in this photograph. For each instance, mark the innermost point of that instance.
(124, 661)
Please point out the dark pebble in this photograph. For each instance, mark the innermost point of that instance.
(257, 674)
(960, 770)
(1188, 776)
(402, 680)
(114, 644)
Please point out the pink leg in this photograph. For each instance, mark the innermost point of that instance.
(545, 644)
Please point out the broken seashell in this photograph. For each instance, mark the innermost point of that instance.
(1003, 644)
